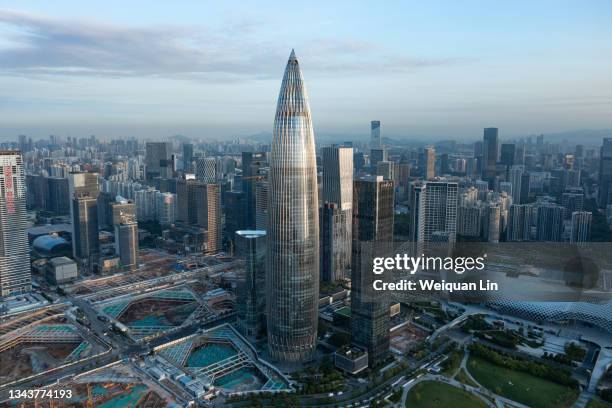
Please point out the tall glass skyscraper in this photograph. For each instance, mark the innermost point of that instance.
(292, 279)
(15, 275)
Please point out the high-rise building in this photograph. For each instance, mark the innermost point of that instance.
(233, 207)
(581, 227)
(261, 204)
(492, 222)
(572, 200)
(375, 140)
(251, 286)
(126, 233)
(165, 208)
(508, 153)
(158, 160)
(252, 165)
(338, 176)
(386, 169)
(520, 219)
(59, 195)
(146, 204)
(337, 226)
(435, 212)
(515, 176)
(469, 220)
(377, 155)
(604, 194)
(199, 203)
(187, 157)
(15, 273)
(490, 155)
(84, 215)
(335, 252)
(428, 163)
(549, 222)
(372, 237)
(206, 169)
(292, 280)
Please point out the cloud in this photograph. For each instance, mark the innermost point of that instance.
(39, 46)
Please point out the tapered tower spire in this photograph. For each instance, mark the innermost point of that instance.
(292, 279)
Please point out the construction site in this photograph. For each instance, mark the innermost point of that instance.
(118, 385)
(34, 344)
(218, 360)
(147, 315)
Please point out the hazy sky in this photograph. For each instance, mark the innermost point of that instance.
(213, 70)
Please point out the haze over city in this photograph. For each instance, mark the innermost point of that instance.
(210, 71)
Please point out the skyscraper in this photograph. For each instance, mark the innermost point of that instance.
(251, 299)
(199, 203)
(206, 169)
(126, 232)
(604, 195)
(581, 227)
(158, 160)
(187, 157)
(15, 274)
(84, 215)
(252, 162)
(372, 237)
(437, 209)
(334, 249)
(549, 222)
(520, 220)
(428, 163)
(515, 176)
(375, 141)
(337, 190)
(292, 281)
(490, 155)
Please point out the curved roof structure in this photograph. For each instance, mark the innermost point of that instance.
(599, 315)
(50, 245)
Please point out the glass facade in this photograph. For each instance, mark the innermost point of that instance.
(293, 239)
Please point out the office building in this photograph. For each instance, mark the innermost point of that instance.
(549, 222)
(253, 164)
(158, 160)
(165, 208)
(373, 205)
(490, 155)
(581, 227)
(520, 220)
(84, 214)
(261, 204)
(337, 227)
(206, 169)
(15, 273)
(377, 155)
(187, 157)
(427, 163)
(126, 233)
(335, 243)
(572, 200)
(375, 139)
(292, 281)
(386, 169)
(251, 286)
(604, 194)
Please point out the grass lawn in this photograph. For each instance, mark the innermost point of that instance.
(432, 394)
(598, 403)
(463, 378)
(521, 387)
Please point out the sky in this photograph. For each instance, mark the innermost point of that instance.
(212, 70)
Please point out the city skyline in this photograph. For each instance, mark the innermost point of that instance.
(68, 71)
